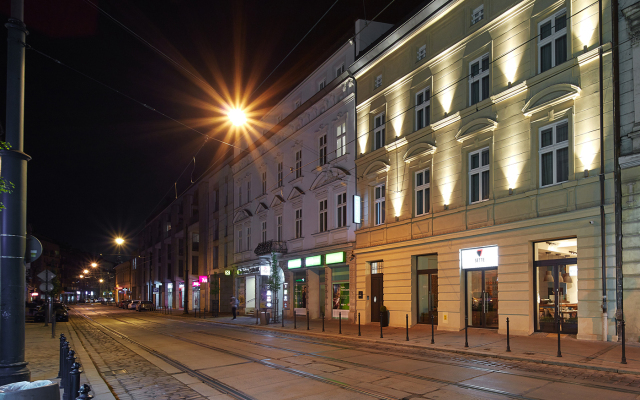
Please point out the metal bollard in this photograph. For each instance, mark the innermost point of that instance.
(295, 326)
(359, 334)
(74, 379)
(84, 392)
(307, 319)
(63, 339)
(432, 341)
(466, 325)
(624, 357)
(508, 347)
(64, 378)
(407, 318)
(71, 359)
(381, 325)
(340, 322)
(559, 352)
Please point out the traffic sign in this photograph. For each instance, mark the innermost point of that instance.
(34, 249)
(46, 287)
(46, 274)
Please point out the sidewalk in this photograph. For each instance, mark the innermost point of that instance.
(539, 347)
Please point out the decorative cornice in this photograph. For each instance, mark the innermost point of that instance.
(466, 132)
(629, 161)
(399, 142)
(446, 121)
(509, 92)
(572, 92)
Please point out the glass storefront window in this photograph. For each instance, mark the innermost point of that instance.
(300, 291)
(340, 288)
(427, 268)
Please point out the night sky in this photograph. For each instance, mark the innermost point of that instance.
(102, 162)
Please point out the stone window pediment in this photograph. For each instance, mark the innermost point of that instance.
(549, 97)
(277, 200)
(418, 151)
(241, 215)
(328, 176)
(375, 167)
(295, 193)
(476, 127)
(261, 208)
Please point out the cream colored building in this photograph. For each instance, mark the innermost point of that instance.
(478, 138)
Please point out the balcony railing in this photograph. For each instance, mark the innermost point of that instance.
(271, 246)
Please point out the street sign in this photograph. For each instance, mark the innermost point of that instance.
(34, 249)
(46, 287)
(46, 274)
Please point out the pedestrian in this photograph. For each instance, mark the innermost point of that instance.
(234, 306)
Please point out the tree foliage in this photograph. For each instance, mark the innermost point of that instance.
(5, 186)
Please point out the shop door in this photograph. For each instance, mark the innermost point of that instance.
(196, 299)
(482, 298)
(376, 296)
(427, 297)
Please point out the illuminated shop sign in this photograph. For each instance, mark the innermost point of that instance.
(313, 261)
(195, 284)
(297, 263)
(265, 270)
(169, 285)
(480, 257)
(333, 258)
(248, 270)
(356, 209)
(227, 272)
(203, 279)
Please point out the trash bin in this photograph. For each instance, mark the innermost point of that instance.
(264, 318)
(38, 390)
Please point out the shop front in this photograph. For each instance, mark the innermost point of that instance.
(195, 288)
(253, 290)
(480, 268)
(170, 294)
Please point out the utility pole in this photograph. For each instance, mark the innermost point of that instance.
(13, 235)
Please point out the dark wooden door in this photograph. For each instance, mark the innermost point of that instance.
(376, 296)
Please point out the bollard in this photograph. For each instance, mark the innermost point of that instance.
(323, 321)
(63, 372)
(559, 352)
(407, 318)
(624, 357)
(508, 347)
(283, 318)
(381, 325)
(359, 334)
(62, 340)
(307, 319)
(295, 326)
(74, 385)
(340, 322)
(84, 392)
(71, 359)
(466, 325)
(432, 341)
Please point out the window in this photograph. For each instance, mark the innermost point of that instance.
(298, 163)
(379, 198)
(554, 153)
(322, 150)
(168, 252)
(249, 189)
(195, 242)
(479, 175)
(377, 82)
(322, 84)
(479, 79)
(248, 238)
(279, 228)
(168, 226)
(239, 195)
(194, 265)
(296, 104)
(422, 190)
(298, 223)
(552, 41)
(341, 143)
(422, 52)
(323, 215)
(264, 182)
(376, 267)
(264, 231)
(280, 174)
(342, 210)
(339, 70)
(378, 131)
(239, 248)
(423, 107)
(477, 15)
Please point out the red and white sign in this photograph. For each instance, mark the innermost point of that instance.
(480, 257)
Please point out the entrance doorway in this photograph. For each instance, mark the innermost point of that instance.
(376, 296)
(427, 297)
(482, 298)
(196, 298)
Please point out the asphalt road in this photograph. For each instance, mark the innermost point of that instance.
(149, 355)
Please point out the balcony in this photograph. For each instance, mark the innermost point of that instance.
(270, 246)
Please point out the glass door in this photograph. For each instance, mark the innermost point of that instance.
(482, 298)
(427, 297)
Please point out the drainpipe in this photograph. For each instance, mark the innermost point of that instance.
(602, 172)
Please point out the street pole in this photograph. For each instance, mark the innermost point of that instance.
(13, 367)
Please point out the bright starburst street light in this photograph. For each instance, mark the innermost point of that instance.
(101, 280)
(119, 240)
(86, 271)
(94, 264)
(237, 117)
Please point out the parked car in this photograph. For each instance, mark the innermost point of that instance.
(59, 310)
(146, 306)
(133, 305)
(124, 304)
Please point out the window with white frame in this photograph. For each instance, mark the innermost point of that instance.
(280, 173)
(264, 182)
(298, 223)
(376, 267)
(423, 192)
(322, 150)
(249, 189)
(341, 204)
(322, 209)
(479, 170)
(552, 41)
(479, 79)
(378, 131)
(377, 82)
(239, 248)
(279, 228)
(423, 108)
(421, 53)
(379, 204)
(298, 163)
(339, 70)
(554, 153)
(264, 231)
(341, 142)
(477, 15)
(322, 84)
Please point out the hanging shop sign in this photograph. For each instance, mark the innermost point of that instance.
(357, 218)
(195, 284)
(156, 290)
(479, 257)
(334, 258)
(203, 279)
(297, 263)
(313, 261)
(265, 270)
(227, 272)
(169, 285)
(248, 270)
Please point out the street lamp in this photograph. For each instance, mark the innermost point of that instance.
(119, 241)
(86, 271)
(237, 117)
(93, 264)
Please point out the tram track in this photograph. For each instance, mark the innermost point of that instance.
(462, 363)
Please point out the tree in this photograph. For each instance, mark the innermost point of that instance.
(273, 284)
(5, 186)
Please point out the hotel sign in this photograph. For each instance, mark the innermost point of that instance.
(479, 257)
